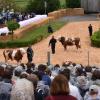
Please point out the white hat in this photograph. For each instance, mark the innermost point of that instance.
(93, 88)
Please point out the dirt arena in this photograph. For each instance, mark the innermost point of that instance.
(72, 29)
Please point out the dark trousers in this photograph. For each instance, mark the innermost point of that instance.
(30, 58)
(90, 32)
(53, 49)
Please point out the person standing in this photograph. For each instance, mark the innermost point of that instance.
(52, 42)
(59, 89)
(30, 54)
(90, 30)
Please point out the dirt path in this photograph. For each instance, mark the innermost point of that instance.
(72, 29)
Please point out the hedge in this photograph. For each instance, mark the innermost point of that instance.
(14, 43)
(95, 39)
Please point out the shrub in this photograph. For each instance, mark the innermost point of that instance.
(12, 25)
(38, 6)
(73, 3)
(95, 39)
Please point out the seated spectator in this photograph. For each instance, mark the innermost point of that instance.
(80, 72)
(7, 78)
(88, 70)
(92, 94)
(46, 77)
(23, 89)
(5, 90)
(82, 84)
(41, 69)
(41, 87)
(59, 89)
(73, 89)
(37, 94)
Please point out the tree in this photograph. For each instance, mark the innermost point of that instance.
(38, 6)
(73, 3)
(52, 5)
(12, 25)
(7, 4)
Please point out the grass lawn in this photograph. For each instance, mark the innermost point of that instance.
(33, 36)
(42, 30)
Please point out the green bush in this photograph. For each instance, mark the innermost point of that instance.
(38, 6)
(12, 25)
(95, 39)
(73, 3)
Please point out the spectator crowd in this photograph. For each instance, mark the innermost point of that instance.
(18, 16)
(69, 81)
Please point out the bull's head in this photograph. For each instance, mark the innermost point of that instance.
(62, 40)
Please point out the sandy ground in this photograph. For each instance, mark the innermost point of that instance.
(73, 29)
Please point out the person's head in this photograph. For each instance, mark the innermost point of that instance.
(42, 67)
(80, 72)
(59, 86)
(93, 90)
(81, 80)
(48, 72)
(56, 66)
(17, 73)
(34, 79)
(38, 75)
(8, 73)
(23, 75)
(88, 69)
(96, 74)
(66, 73)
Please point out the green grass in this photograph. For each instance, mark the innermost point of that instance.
(33, 36)
(42, 30)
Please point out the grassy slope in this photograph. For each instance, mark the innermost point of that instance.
(41, 31)
(33, 36)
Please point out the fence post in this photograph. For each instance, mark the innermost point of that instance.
(88, 58)
(48, 58)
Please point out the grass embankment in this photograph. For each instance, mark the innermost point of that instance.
(33, 36)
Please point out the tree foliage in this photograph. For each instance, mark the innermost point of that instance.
(38, 6)
(7, 4)
(73, 3)
(12, 25)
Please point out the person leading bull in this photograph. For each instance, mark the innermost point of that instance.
(52, 43)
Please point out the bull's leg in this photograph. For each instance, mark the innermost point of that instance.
(65, 47)
(77, 47)
(6, 59)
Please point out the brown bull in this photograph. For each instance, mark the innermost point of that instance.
(70, 42)
(14, 55)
